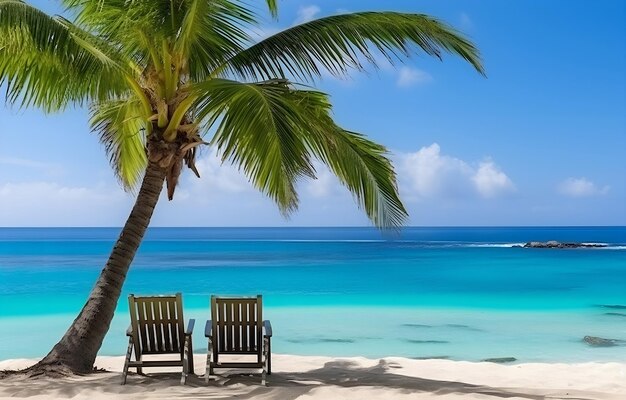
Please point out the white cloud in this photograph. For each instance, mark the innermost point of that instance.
(429, 174)
(325, 185)
(217, 177)
(490, 181)
(408, 76)
(581, 187)
(306, 14)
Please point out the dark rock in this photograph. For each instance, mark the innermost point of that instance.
(500, 360)
(553, 244)
(595, 341)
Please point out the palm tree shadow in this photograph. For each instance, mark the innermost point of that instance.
(348, 374)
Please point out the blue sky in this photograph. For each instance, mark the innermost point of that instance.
(541, 141)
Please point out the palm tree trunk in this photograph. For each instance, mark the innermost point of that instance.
(76, 351)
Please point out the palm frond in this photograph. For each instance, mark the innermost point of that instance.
(136, 27)
(121, 130)
(339, 43)
(202, 34)
(272, 6)
(360, 164)
(211, 32)
(259, 133)
(272, 130)
(50, 63)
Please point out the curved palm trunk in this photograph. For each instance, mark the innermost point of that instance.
(76, 351)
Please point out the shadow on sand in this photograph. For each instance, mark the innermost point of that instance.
(283, 386)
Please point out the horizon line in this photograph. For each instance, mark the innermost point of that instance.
(317, 227)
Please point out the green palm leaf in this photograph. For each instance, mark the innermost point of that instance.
(258, 132)
(121, 130)
(49, 63)
(212, 32)
(272, 130)
(360, 164)
(272, 5)
(339, 42)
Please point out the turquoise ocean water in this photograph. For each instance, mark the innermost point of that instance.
(460, 293)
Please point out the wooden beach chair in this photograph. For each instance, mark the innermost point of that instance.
(237, 327)
(157, 328)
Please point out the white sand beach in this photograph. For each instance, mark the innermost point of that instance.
(307, 377)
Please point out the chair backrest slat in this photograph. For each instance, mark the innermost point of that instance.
(229, 325)
(171, 306)
(237, 325)
(157, 324)
(244, 327)
(151, 326)
(165, 323)
(141, 318)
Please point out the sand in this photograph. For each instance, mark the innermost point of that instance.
(306, 377)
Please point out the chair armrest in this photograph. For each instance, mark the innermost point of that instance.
(267, 328)
(129, 331)
(208, 329)
(189, 330)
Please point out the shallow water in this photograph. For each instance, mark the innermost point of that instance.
(458, 293)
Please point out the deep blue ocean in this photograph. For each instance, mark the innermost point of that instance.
(458, 293)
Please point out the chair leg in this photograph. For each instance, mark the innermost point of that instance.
(209, 369)
(269, 356)
(128, 355)
(187, 360)
(265, 359)
(191, 367)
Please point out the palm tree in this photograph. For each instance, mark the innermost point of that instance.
(161, 75)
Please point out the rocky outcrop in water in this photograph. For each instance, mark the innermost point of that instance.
(553, 244)
(596, 341)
